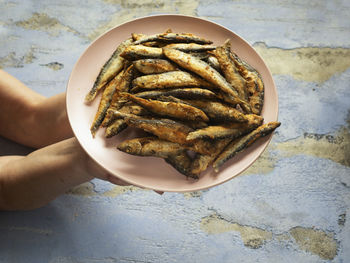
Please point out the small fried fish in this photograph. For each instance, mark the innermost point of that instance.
(218, 111)
(115, 127)
(185, 93)
(182, 163)
(135, 52)
(254, 84)
(154, 66)
(124, 85)
(229, 130)
(109, 70)
(150, 146)
(228, 68)
(173, 37)
(214, 63)
(240, 144)
(127, 108)
(171, 79)
(205, 71)
(201, 161)
(167, 129)
(170, 109)
(163, 128)
(104, 103)
(190, 47)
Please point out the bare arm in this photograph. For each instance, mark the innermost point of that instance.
(31, 181)
(28, 117)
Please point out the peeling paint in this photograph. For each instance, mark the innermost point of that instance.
(318, 242)
(53, 65)
(195, 194)
(12, 60)
(251, 236)
(144, 8)
(42, 22)
(314, 64)
(263, 165)
(315, 241)
(85, 189)
(333, 147)
(118, 190)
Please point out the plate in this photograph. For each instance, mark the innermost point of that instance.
(150, 172)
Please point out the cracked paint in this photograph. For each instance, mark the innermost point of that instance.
(333, 147)
(118, 190)
(263, 165)
(251, 236)
(314, 64)
(315, 241)
(85, 189)
(12, 60)
(53, 65)
(42, 22)
(195, 194)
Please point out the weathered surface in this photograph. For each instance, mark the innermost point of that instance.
(291, 205)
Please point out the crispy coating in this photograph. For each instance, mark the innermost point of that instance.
(185, 93)
(104, 103)
(173, 37)
(240, 144)
(218, 111)
(229, 130)
(229, 70)
(154, 66)
(169, 80)
(201, 162)
(208, 73)
(254, 84)
(109, 70)
(170, 109)
(135, 52)
(115, 127)
(182, 163)
(150, 146)
(190, 47)
(163, 128)
(123, 86)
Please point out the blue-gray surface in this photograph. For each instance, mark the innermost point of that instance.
(292, 205)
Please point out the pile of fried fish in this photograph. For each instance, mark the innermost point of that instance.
(200, 104)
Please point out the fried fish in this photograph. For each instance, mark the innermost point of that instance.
(170, 109)
(154, 66)
(171, 79)
(109, 70)
(218, 111)
(135, 52)
(208, 73)
(229, 130)
(240, 144)
(105, 103)
(173, 37)
(229, 70)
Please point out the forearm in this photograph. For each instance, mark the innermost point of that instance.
(28, 117)
(34, 180)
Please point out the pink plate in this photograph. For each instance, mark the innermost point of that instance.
(149, 172)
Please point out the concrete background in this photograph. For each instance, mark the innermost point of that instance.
(292, 205)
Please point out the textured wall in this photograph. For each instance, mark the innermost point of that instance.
(292, 205)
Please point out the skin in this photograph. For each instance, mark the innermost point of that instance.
(32, 181)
